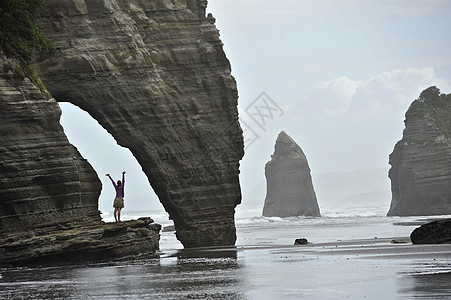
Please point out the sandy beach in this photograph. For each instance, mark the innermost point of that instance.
(355, 269)
(352, 255)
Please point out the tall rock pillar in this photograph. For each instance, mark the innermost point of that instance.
(289, 184)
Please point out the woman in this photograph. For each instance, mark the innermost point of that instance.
(118, 203)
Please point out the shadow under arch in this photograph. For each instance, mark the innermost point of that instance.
(104, 154)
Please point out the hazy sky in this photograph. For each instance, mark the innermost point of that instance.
(337, 76)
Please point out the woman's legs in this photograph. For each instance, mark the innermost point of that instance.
(119, 214)
(115, 212)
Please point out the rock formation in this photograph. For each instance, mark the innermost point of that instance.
(48, 192)
(43, 177)
(436, 232)
(70, 242)
(289, 184)
(152, 73)
(155, 76)
(421, 161)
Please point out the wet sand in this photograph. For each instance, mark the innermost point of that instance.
(354, 269)
(389, 268)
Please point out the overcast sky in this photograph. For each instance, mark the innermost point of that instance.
(336, 75)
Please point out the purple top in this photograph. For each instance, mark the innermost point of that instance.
(119, 189)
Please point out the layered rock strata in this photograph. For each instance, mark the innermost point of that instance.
(43, 178)
(48, 192)
(154, 74)
(421, 161)
(289, 184)
(436, 232)
(72, 243)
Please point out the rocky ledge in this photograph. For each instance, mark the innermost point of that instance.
(289, 183)
(421, 161)
(68, 242)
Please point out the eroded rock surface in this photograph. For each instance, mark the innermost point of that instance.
(289, 184)
(421, 161)
(154, 74)
(43, 178)
(68, 242)
(48, 192)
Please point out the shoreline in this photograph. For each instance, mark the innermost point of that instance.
(380, 248)
(347, 269)
(372, 268)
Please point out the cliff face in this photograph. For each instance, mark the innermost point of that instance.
(289, 184)
(43, 177)
(421, 161)
(48, 192)
(154, 74)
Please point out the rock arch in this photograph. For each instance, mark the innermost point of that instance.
(157, 79)
(105, 156)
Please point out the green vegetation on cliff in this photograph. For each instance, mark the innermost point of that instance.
(437, 106)
(20, 36)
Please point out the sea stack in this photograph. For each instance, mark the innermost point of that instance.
(421, 161)
(289, 183)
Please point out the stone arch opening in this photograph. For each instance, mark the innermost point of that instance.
(104, 154)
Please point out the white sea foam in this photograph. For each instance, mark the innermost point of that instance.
(335, 224)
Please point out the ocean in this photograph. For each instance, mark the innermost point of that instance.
(353, 253)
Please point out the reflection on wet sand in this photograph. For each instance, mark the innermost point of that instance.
(179, 274)
(434, 285)
(201, 274)
(371, 269)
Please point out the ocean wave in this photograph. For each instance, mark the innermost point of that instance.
(328, 215)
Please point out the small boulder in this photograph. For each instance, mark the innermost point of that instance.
(301, 241)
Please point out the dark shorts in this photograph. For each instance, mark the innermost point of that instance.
(118, 203)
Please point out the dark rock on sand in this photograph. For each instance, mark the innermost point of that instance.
(436, 232)
(289, 184)
(154, 74)
(421, 161)
(301, 241)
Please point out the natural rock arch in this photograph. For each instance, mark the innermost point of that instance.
(104, 154)
(156, 78)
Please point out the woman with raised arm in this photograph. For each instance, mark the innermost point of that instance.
(118, 203)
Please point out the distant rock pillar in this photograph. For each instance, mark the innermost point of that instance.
(289, 183)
